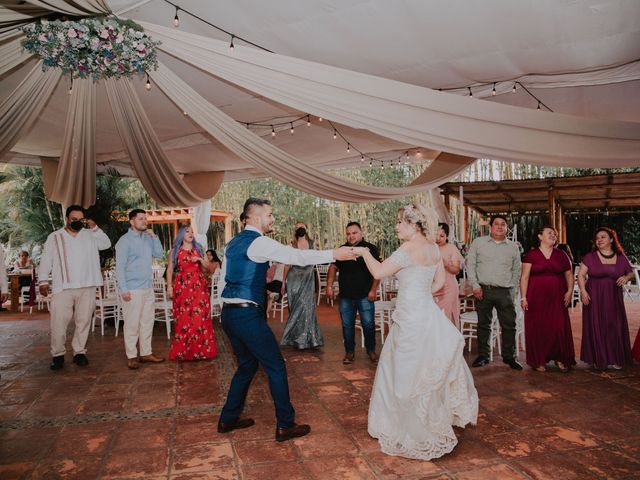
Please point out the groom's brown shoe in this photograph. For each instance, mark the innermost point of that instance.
(239, 423)
(151, 359)
(283, 434)
(373, 356)
(348, 358)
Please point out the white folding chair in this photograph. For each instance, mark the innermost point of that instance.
(23, 299)
(106, 307)
(163, 307)
(216, 299)
(321, 275)
(469, 330)
(279, 306)
(383, 316)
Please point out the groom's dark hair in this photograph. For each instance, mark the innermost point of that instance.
(251, 201)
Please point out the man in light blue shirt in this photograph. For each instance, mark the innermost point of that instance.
(134, 253)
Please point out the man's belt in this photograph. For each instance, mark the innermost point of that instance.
(494, 287)
(242, 305)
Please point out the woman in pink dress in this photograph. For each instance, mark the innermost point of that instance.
(546, 287)
(193, 332)
(605, 330)
(448, 296)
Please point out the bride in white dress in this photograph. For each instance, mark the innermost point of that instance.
(423, 386)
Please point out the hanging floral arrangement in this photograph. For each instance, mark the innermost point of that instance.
(97, 47)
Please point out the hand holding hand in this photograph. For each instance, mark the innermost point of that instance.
(477, 292)
(360, 251)
(195, 258)
(126, 296)
(344, 253)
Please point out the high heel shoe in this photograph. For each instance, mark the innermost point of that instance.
(540, 369)
(563, 368)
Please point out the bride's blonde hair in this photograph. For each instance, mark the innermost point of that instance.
(424, 217)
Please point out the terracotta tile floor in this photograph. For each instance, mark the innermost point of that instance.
(159, 422)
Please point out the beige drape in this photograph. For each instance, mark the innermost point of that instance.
(412, 114)
(75, 182)
(22, 107)
(150, 162)
(279, 164)
(12, 54)
(13, 12)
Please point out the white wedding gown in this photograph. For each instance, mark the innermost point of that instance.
(423, 385)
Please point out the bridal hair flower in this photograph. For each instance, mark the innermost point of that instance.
(425, 218)
(97, 47)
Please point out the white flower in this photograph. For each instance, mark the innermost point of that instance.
(71, 33)
(119, 38)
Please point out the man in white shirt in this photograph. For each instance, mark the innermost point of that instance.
(71, 257)
(243, 316)
(4, 281)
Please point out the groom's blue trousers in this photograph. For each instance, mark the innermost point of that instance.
(254, 344)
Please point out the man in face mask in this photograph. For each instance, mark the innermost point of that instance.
(71, 258)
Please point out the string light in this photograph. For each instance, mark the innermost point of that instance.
(273, 131)
(308, 121)
(319, 119)
(71, 86)
(176, 20)
(513, 90)
(335, 134)
(348, 148)
(291, 128)
(148, 84)
(231, 44)
(361, 158)
(493, 92)
(382, 164)
(370, 163)
(538, 104)
(406, 155)
(470, 92)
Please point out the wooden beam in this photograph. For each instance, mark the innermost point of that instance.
(552, 207)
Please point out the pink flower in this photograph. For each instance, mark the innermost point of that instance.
(104, 34)
(71, 33)
(42, 37)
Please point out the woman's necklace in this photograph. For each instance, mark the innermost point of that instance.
(608, 257)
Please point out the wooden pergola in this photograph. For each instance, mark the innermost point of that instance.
(177, 216)
(615, 193)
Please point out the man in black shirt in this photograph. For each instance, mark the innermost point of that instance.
(357, 294)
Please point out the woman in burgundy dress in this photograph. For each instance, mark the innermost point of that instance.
(605, 331)
(546, 285)
(193, 332)
(636, 348)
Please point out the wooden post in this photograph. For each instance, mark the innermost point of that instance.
(228, 234)
(176, 228)
(466, 225)
(559, 219)
(463, 222)
(447, 201)
(563, 233)
(552, 208)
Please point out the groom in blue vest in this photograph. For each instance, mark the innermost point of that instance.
(244, 272)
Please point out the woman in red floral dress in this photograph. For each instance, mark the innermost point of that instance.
(187, 285)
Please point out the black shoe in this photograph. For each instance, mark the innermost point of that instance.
(81, 360)
(239, 423)
(481, 361)
(283, 434)
(57, 362)
(513, 363)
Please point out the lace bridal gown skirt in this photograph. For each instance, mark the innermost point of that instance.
(423, 386)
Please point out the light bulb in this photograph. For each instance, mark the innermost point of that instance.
(370, 163)
(348, 147)
(406, 156)
(362, 158)
(308, 121)
(176, 20)
(319, 119)
(513, 90)
(70, 90)
(470, 92)
(493, 92)
(231, 44)
(382, 164)
(273, 131)
(148, 84)
(292, 128)
(335, 134)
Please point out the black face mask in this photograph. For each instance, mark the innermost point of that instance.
(76, 225)
(301, 232)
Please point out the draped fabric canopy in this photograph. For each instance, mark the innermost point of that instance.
(373, 84)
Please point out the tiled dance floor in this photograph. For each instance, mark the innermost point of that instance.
(104, 421)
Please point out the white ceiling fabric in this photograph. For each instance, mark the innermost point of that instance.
(578, 57)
